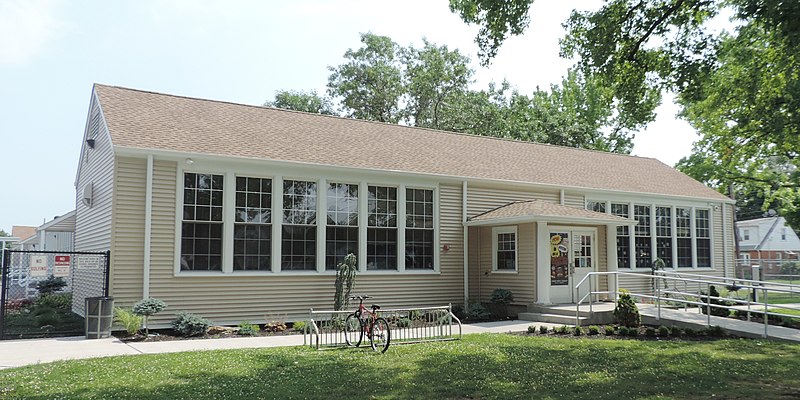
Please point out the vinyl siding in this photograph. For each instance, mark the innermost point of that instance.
(93, 223)
(485, 198)
(127, 253)
(231, 298)
(483, 280)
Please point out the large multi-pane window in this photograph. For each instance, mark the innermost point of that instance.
(623, 236)
(341, 233)
(664, 235)
(381, 228)
(299, 241)
(703, 238)
(642, 244)
(252, 228)
(419, 229)
(683, 226)
(201, 228)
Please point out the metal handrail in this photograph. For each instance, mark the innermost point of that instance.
(706, 280)
(732, 280)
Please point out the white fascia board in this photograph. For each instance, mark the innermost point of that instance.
(455, 179)
(549, 219)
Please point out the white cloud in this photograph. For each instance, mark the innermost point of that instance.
(26, 28)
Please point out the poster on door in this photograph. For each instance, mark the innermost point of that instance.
(38, 265)
(62, 265)
(559, 259)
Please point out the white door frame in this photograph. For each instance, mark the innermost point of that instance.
(556, 293)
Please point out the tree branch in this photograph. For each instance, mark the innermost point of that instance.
(667, 13)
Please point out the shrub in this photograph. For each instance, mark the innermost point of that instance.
(531, 328)
(477, 312)
(543, 330)
(248, 329)
(689, 332)
(740, 314)
(51, 285)
(502, 296)
(593, 330)
(187, 324)
(577, 331)
(663, 331)
(146, 308)
(300, 326)
(563, 329)
(459, 312)
(623, 330)
(715, 331)
(717, 311)
(626, 313)
(129, 321)
(675, 331)
(58, 301)
(609, 330)
(403, 323)
(633, 332)
(415, 314)
(650, 332)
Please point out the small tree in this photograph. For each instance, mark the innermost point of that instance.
(501, 298)
(51, 285)
(345, 280)
(148, 307)
(626, 312)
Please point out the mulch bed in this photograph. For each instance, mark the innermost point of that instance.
(165, 335)
(697, 335)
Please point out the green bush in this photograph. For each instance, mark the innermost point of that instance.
(715, 331)
(650, 332)
(51, 285)
(300, 326)
(593, 330)
(248, 329)
(502, 296)
(531, 328)
(148, 307)
(717, 311)
(477, 312)
(45, 316)
(623, 330)
(415, 314)
(187, 324)
(58, 301)
(675, 331)
(626, 312)
(129, 321)
(633, 332)
(459, 312)
(689, 332)
(577, 331)
(563, 330)
(609, 330)
(543, 330)
(663, 331)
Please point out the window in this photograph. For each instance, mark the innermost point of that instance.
(664, 235)
(703, 238)
(201, 228)
(683, 226)
(299, 241)
(623, 236)
(596, 206)
(252, 228)
(419, 229)
(341, 233)
(642, 243)
(381, 228)
(504, 244)
(746, 234)
(783, 234)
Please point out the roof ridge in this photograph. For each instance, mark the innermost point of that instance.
(439, 131)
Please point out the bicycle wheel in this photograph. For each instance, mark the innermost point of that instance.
(380, 335)
(353, 331)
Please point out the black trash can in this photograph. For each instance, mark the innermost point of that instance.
(99, 317)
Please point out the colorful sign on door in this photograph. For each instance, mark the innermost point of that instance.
(38, 265)
(559, 259)
(62, 265)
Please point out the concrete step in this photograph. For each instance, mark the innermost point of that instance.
(552, 318)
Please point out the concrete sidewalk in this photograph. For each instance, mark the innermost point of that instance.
(17, 353)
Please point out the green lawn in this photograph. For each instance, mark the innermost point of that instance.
(478, 367)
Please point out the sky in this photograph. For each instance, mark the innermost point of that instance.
(52, 51)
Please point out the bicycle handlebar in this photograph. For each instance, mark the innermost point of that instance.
(360, 297)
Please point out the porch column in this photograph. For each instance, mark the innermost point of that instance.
(542, 263)
(611, 262)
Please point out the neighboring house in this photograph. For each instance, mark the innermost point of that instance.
(767, 242)
(22, 233)
(55, 235)
(240, 212)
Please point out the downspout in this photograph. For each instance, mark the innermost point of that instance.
(562, 197)
(148, 226)
(466, 242)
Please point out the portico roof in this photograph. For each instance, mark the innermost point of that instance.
(538, 210)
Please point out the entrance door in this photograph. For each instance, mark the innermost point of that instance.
(572, 257)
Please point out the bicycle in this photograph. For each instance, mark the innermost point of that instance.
(365, 322)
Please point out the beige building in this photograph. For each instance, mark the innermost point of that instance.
(239, 212)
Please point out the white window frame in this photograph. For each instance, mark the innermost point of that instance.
(497, 230)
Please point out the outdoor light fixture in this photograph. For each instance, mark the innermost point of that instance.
(189, 161)
(90, 142)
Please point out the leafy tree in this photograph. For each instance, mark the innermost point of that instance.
(301, 101)
(370, 83)
(5, 234)
(497, 19)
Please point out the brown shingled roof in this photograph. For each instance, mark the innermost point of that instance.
(22, 232)
(538, 209)
(147, 120)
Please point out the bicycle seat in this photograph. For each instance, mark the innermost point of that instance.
(376, 307)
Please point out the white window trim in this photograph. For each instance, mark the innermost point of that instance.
(230, 170)
(495, 232)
